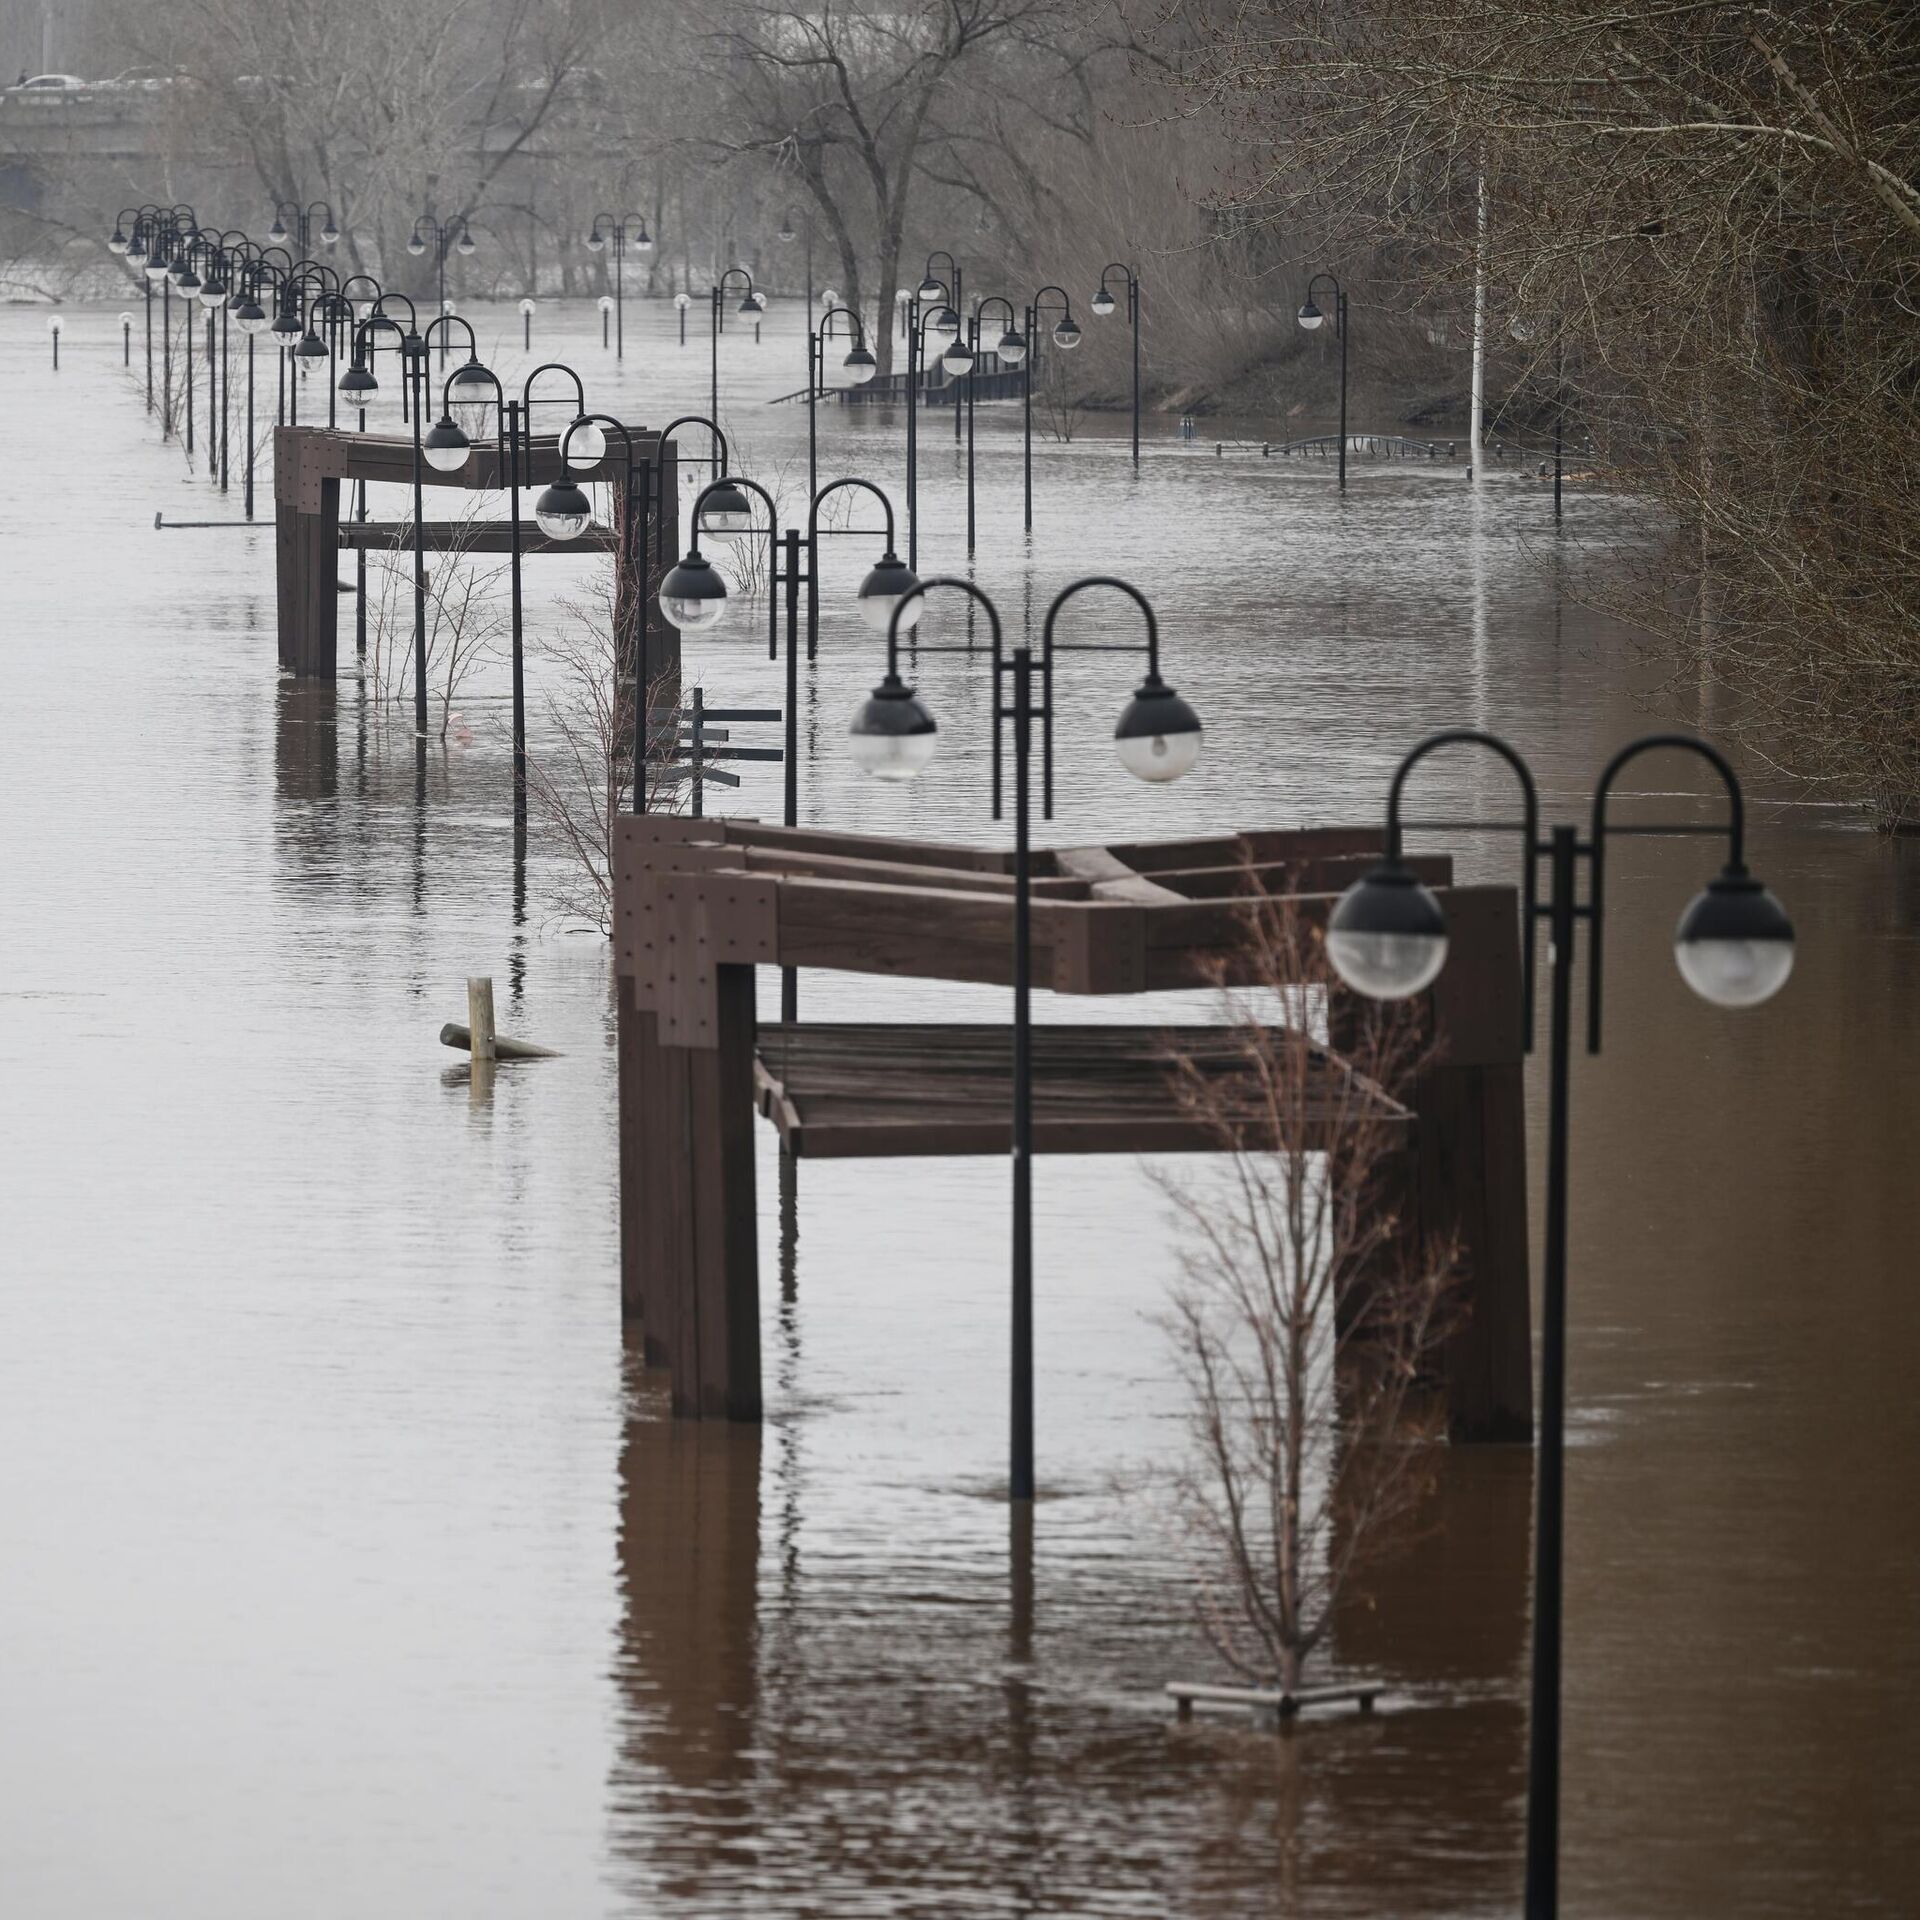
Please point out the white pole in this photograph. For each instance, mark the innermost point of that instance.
(1476, 406)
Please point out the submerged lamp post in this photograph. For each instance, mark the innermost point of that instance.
(1066, 336)
(443, 236)
(562, 511)
(619, 229)
(1387, 938)
(126, 339)
(836, 374)
(302, 231)
(1311, 320)
(1157, 738)
(750, 304)
(694, 597)
(53, 327)
(1103, 303)
(526, 326)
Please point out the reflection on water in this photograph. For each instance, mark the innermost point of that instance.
(351, 1564)
(805, 1728)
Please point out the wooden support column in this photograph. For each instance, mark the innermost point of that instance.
(1472, 1163)
(719, 1141)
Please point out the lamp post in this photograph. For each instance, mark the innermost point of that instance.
(1066, 336)
(619, 228)
(1010, 335)
(855, 370)
(694, 597)
(1103, 304)
(1157, 738)
(526, 326)
(788, 234)
(1524, 329)
(943, 322)
(442, 236)
(681, 303)
(750, 303)
(53, 327)
(563, 512)
(130, 245)
(1311, 319)
(302, 224)
(1387, 938)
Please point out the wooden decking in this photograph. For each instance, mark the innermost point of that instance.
(865, 1091)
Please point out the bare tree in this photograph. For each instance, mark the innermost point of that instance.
(861, 104)
(579, 774)
(1702, 243)
(1309, 1310)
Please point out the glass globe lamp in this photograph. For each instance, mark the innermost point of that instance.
(1734, 943)
(586, 444)
(1387, 937)
(893, 736)
(693, 595)
(887, 583)
(1102, 303)
(1066, 336)
(726, 513)
(1310, 316)
(563, 511)
(445, 446)
(470, 392)
(1012, 347)
(1158, 734)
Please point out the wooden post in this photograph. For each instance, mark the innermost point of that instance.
(1472, 1162)
(719, 1142)
(480, 1018)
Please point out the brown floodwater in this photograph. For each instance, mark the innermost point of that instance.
(351, 1565)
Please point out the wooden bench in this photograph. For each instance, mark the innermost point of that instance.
(1268, 1705)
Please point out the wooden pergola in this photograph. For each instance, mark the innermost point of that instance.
(700, 904)
(309, 465)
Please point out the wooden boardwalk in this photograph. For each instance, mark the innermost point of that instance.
(699, 905)
(838, 1092)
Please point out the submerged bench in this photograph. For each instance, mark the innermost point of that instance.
(1269, 1704)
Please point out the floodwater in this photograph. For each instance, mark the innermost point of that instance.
(349, 1566)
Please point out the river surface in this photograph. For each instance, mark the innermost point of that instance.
(348, 1565)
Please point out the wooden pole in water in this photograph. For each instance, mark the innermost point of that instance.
(480, 1018)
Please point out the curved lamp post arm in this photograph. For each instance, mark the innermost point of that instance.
(1339, 297)
(920, 591)
(834, 486)
(1529, 876)
(1048, 647)
(826, 331)
(1597, 850)
(456, 320)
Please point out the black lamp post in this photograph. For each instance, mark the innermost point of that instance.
(302, 224)
(1157, 738)
(1311, 319)
(1524, 329)
(132, 227)
(526, 325)
(1066, 336)
(443, 236)
(788, 234)
(833, 374)
(946, 323)
(619, 228)
(694, 597)
(750, 303)
(1734, 946)
(1103, 303)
